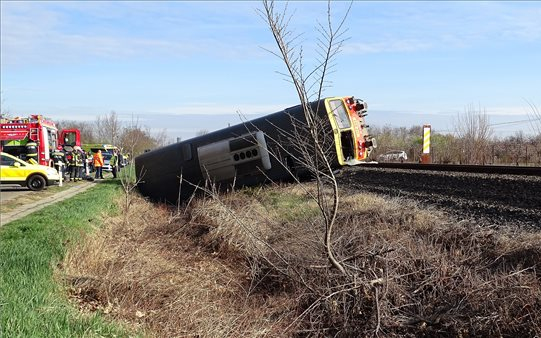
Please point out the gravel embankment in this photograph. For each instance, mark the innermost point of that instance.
(488, 199)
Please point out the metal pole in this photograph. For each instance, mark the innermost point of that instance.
(60, 164)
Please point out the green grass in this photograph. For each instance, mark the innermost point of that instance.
(32, 303)
(127, 173)
(290, 207)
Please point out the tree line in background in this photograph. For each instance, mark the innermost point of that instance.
(473, 141)
(130, 136)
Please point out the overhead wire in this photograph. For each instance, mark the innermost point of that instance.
(514, 122)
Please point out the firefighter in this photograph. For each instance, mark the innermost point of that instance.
(59, 161)
(73, 168)
(98, 164)
(31, 153)
(68, 153)
(79, 159)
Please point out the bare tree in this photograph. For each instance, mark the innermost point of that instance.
(160, 137)
(310, 86)
(474, 132)
(519, 146)
(535, 123)
(109, 128)
(535, 118)
(135, 138)
(443, 148)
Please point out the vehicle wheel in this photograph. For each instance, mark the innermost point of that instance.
(36, 183)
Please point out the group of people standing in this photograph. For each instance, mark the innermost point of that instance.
(79, 164)
(98, 163)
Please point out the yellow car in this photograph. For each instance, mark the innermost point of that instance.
(35, 176)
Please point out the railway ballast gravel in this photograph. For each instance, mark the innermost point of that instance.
(487, 199)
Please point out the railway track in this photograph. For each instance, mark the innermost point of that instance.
(489, 196)
(484, 169)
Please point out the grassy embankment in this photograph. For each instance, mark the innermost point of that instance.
(32, 302)
(252, 263)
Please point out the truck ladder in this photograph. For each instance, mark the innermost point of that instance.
(34, 134)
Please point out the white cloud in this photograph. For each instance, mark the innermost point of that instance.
(45, 33)
(421, 26)
(390, 46)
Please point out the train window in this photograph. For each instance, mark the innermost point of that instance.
(340, 113)
(187, 151)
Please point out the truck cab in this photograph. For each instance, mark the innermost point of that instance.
(70, 137)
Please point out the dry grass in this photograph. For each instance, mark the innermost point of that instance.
(149, 273)
(252, 263)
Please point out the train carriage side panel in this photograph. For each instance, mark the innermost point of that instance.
(158, 172)
(217, 155)
(248, 153)
(234, 157)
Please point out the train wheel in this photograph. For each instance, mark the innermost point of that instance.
(36, 183)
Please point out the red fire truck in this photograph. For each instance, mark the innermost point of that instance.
(70, 137)
(34, 137)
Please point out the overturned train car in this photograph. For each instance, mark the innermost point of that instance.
(255, 152)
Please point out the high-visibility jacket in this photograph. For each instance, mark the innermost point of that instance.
(73, 158)
(98, 160)
(79, 160)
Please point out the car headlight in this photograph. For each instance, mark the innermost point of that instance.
(52, 172)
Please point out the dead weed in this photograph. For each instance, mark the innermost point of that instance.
(150, 273)
(233, 265)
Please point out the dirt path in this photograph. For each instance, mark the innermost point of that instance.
(30, 207)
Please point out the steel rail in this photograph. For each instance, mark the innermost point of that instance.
(485, 169)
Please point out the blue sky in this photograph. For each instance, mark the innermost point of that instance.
(190, 66)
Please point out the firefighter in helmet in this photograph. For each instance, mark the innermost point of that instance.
(32, 152)
(73, 160)
(78, 163)
(59, 161)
